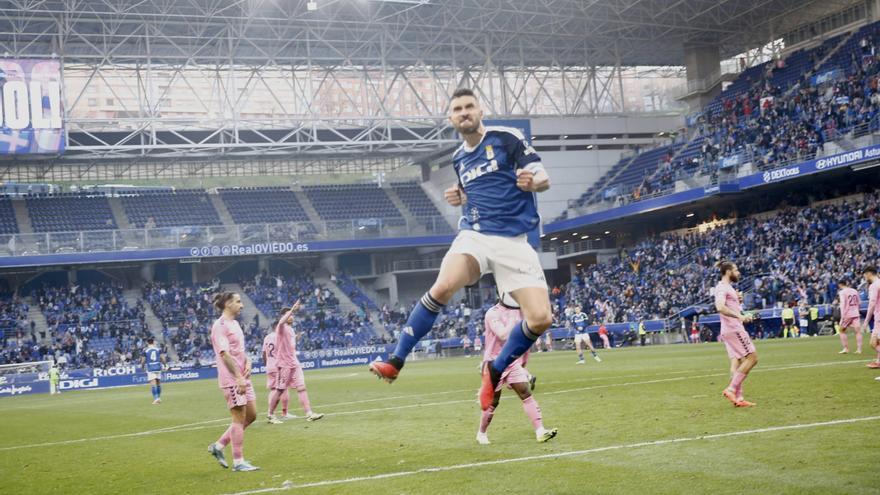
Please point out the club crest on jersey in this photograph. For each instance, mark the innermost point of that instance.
(490, 152)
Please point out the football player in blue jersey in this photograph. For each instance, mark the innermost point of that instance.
(152, 361)
(499, 174)
(579, 321)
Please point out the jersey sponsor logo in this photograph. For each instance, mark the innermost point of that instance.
(117, 371)
(479, 171)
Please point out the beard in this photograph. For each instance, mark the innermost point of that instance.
(734, 277)
(468, 127)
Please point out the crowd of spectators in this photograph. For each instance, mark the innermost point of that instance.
(793, 254)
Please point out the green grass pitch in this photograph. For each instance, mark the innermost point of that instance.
(646, 420)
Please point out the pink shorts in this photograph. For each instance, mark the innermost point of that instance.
(290, 378)
(738, 344)
(850, 322)
(514, 373)
(235, 399)
(271, 378)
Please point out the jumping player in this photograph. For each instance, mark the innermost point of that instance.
(740, 349)
(581, 337)
(498, 176)
(152, 361)
(290, 372)
(233, 375)
(500, 320)
(870, 274)
(849, 316)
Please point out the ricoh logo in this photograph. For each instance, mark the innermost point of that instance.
(117, 371)
(782, 173)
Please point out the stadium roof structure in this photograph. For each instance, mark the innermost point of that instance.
(397, 32)
(403, 52)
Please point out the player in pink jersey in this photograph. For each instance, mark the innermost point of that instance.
(290, 372)
(870, 274)
(849, 316)
(269, 353)
(233, 375)
(499, 321)
(740, 349)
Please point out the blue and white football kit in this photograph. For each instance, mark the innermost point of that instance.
(498, 215)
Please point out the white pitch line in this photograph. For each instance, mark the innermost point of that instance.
(200, 425)
(167, 429)
(557, 455)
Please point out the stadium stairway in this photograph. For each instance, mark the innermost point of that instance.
(22, 217)
(308, 207)
(250, 309)
(41, 325)
(119, 214)
(345, 303)
(220, 206)
(400, 205)
(154, 324)
(609, 180)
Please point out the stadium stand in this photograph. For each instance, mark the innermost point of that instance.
(19, 342)
(69, 212)
(772, 113)
(352, 201)
(8, 223)
(92, 325)
(183, 207)
(249, 205)
(664, 275)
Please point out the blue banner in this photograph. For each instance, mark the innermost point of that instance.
(196, 253)
(811, 167)
(780, 174)
(32, 119)
(121, 376)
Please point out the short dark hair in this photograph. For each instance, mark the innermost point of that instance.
(870, 269)
(150, 340)
(284, 311)
(724, 266)
(221, 298)
(463, 92)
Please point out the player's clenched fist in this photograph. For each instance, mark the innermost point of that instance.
(454, 195)
(525, 180)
